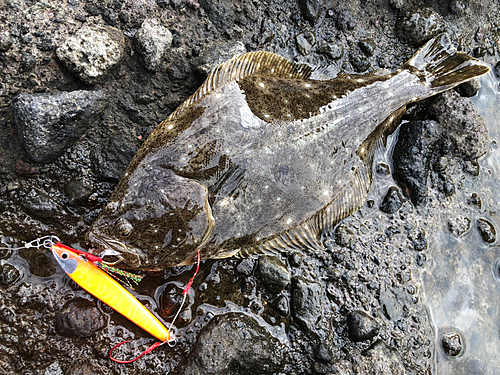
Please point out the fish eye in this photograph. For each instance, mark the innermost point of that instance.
(64, 255)
(124, 227)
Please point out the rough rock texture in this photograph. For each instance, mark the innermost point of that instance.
(92, 52)
(153, 41)
(79, 319)
(419, 24)
(47, 124)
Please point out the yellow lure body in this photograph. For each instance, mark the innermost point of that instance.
(102, 286)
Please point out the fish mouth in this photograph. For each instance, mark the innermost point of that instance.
(114, 252)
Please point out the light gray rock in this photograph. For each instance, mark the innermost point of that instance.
(92, 52)
(152, 41)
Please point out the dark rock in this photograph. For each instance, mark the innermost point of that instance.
(47, 124)
(361, 326)
(343, 235)
(411, 157)
(79, 318)
(282, 305)
(392, 201)
(379, 360)
(92, 52)
(170, 300)
(333, 51)
(246, 266)
(311, 9)
(322, 354)
(28, 61)
(305, 42)
(359, 62)
(458, 7)
(475, 200)
(85, 367)
(398, 4)
(465, 129)
(274, 274)
(451, 342)
(306, 302)
(152, 40)
(77, 191)
(487, 230)
(5, 41)
(418, 240)
(459, 225)
(469, 89)
(217, 54)
(419, 24)
(345, 20)
(382, 169)
(234, 344)
(367, 46)
(220, 12)
(9, 275)
(41, 205)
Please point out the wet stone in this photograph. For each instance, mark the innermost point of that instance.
(367, 46)
(343, 235)
(282, 305)
(9, 275)
(383, 169)
(474, 200)
(392, 201)
(451, 343)
(459, 225)
(92, 52)
(170, 301)
(274, 274)
(345, 20)
(85, 367)
(153, 41)
(306, 302)
(361, 326)
(469, 89)
(47, 124)
(53, 369)
(234, 344)
(419, 24)
(487, 230)
(41, 205)
(311, 9)
(220, 12)
(305, 42)
(5, 41)
(77, 191)
(413, 150)
(333, 51)
(79, 318)
(246, 266)
(359, 62)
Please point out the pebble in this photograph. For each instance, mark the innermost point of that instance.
(39, 204)
(459, 225)
(469, 89)
(451, 342)
(9, 275)
(361, 326)
(359, 62)
(47, 124)
(392, 201)
(305, 42)
(152, 41)
(273, 273)
(343, 235)
(345, 20)
(333, 51)
(79, 319)
(5, 41)
(413, 150)
(487, 230)
(417, 25)
(78, 191)
(246, 266)
(367, 46)
(306, 302)
(311, 9)
(92, 52)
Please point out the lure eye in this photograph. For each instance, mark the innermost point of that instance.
(124, 227)
(65, 255)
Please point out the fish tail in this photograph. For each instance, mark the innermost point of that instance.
(441, 67)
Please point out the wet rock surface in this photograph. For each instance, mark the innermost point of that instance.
(299, 325)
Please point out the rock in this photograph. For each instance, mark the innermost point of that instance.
(392, 201)
(417, 25)
(380, 360)
(411, 158)
(234, 344)
(465, 129)
(305, 42)
(217, 54)
(306, 302)
(8, 275)
(274, 274)
(311, 9)
(367, 46)
(152, 40)
(333, 51)
(361, 326)
(54, 369)
(47, 124)
(92, 52)
(458, 7)
(220, 12)
(475, 200)
(459, 225)
(345, 20)
(84, 366)
(246, 266)
(343, 235)
(78, 318)
(5, 41)
(170, 301)
(451, 342)
(39, 204)
(487, 230)
(77, 191)
(469, 88)
(359, 62)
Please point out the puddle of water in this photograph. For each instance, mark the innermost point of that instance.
(462, 279)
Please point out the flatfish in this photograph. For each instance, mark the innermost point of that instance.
(263, 157)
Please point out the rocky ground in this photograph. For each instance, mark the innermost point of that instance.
(84, 82)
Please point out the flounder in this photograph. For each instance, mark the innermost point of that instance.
(263, 157)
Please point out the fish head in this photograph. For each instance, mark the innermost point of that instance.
(152, 223)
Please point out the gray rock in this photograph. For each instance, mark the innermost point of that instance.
(47, 124)
(9, 275)
(465, 129)
(39, 204)
(367, 46)
(5, 41)
(419, 24)
(343, 235)
(333, 51)
(246, 266)
(487, 230)
(345, 20)
(234, 344)
(79, 319)
(53, 369)
(220, 12)
(274, 274)
(217, 54)
(306, 302)
(451, 342)
(361, 326)
(92, 52)
(392, 201)
(77, 191)
(459, 225)
(305, 42)
(152, 40)
(311, 9)
(411, 157)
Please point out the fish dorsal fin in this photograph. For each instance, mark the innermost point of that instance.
(262, 63)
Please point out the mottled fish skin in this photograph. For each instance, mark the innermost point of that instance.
(263, 158)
